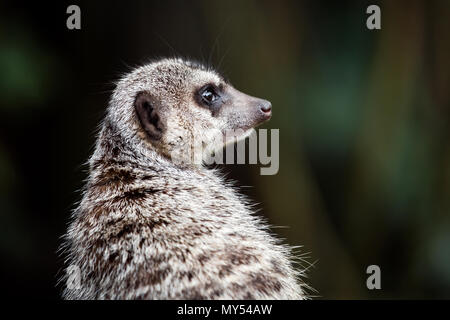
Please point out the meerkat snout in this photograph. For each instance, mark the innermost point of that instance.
(266, 108)
(148, 227)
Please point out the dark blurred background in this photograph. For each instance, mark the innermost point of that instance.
(363, 116)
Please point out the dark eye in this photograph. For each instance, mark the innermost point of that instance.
(209, 95)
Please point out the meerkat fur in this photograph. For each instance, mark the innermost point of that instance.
(150, 228)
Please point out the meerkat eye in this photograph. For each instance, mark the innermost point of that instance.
(209, 95)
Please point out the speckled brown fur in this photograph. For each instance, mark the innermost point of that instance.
(147, 228)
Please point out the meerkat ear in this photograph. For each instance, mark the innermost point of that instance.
(149, 114)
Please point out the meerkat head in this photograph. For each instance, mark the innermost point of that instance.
(183, 110)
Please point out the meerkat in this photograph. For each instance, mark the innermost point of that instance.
(149, 227)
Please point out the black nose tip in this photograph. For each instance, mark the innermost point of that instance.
(266, 106)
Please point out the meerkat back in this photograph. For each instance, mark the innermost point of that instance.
(153, 222)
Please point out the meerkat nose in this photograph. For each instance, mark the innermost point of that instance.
(265, 106)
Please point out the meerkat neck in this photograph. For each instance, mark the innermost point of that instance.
(112, 150)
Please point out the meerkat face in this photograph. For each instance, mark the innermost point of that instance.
(185, 110)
